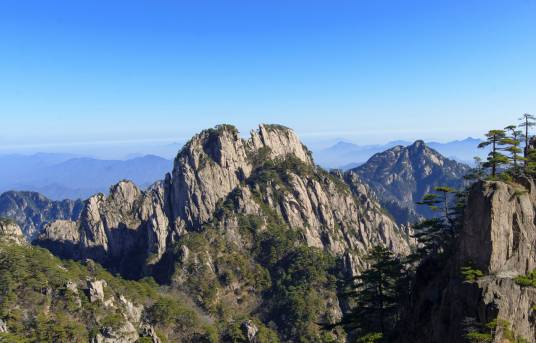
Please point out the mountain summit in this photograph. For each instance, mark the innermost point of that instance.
(402, 175)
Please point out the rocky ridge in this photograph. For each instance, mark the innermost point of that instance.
(213, 167)
(205, 229)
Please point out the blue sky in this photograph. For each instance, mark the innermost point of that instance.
(156, 71)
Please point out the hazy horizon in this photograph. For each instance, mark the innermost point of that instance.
(100, 71)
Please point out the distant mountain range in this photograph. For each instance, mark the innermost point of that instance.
(345, 155)
(64, 176)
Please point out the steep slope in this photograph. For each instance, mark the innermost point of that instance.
(401, 176)
(236, 225)
(32, 210)
(497, 242)
(45, 299)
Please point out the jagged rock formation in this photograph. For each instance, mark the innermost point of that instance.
(32, 210)
(213, 167)
(401, 176)
(203, 229)
(498, 239)
(127, 229)
(10, 232)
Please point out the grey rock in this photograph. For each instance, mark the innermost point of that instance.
(250, 331)
(498, 238)
(3, 327)
(10, 232)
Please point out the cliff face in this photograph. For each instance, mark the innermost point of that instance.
(32, 210)
(498, 239)
(401, 176)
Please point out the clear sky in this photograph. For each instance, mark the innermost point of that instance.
(159, 70)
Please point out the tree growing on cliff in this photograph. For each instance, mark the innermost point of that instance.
(434, 235)
(512, 143)
(378, 294)
(527, 121)
(495, 157)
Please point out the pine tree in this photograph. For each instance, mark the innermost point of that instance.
(434, 235)
(527, 121)
(378, 294)
(495, 158)
(477, 172)
(513, 143)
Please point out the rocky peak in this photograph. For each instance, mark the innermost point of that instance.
(216, 161)
(401, 176)
(281, 141)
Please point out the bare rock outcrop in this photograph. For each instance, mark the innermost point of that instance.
(272, 169)
(10, 232)
(497, 239)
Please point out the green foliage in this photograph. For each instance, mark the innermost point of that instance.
(495, 328)
(528, 280)
(378, 293)
(495, 139)
(38, 307)
(372, 337)
(479, 337)
(167, 311)
(471, 274)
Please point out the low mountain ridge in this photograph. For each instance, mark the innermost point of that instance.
(401, 176)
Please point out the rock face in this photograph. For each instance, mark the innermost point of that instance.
(10, 232)
(135, 227)
(32, 211)
(401, 176)
(126, 230)
(498, 238)
(202, 229)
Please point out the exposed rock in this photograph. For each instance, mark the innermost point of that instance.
(10, 232)
(125, 334)
(218, 181)
(3, 327)
(401, 176)
(147, 330)
(133, 312)
(250, 331)
(32, 210)
(130, 230)
(498, 238)
(96, 290)
(126, 230)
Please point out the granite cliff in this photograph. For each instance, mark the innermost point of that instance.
(496, 246)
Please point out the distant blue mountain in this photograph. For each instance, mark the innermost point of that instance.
(60, 176)
(345, 155)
